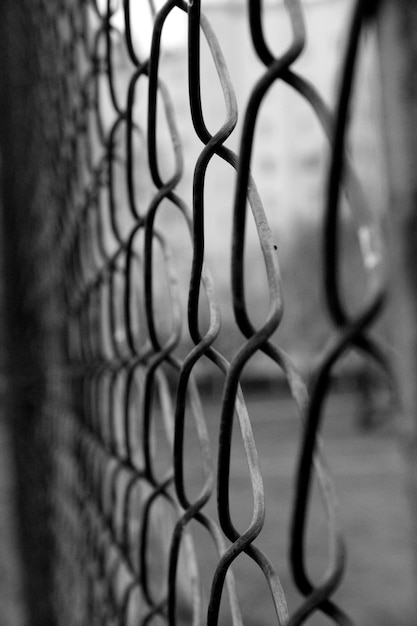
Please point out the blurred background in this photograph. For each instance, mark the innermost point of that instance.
(289, 163)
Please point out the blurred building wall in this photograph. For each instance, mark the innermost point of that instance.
(290, 153)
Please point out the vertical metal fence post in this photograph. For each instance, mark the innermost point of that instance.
(398, 62)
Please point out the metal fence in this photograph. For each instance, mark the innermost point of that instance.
(102, 390)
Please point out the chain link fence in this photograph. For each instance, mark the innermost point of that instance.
(108, 416)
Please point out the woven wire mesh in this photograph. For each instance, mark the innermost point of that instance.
(98, 273)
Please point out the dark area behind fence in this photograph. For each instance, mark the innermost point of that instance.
(103, 359)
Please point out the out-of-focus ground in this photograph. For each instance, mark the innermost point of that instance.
(379, 585)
